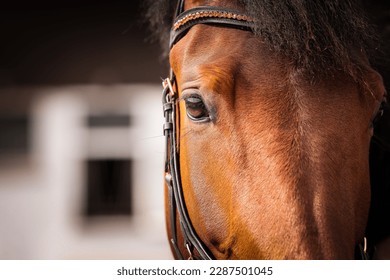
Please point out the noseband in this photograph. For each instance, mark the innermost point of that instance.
(177, 209)
(178, 213)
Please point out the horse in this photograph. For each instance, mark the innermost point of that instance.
(269, 112)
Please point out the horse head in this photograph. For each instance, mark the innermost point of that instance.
(270, 144)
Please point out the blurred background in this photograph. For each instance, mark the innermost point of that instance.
(81, 145)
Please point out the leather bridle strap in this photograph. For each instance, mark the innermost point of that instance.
(209, 15)
(173, 181)
(177, 208)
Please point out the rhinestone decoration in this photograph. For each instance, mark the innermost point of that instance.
(210, 14)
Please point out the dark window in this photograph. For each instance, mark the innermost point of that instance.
(14, 135)
(98, 121)
(108, 187)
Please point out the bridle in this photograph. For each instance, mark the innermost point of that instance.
(184, 20)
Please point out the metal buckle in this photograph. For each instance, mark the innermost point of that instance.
(167, 83)
(168, 99)
(189, 252)
(365, 246)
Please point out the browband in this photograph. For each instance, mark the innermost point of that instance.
(209, 15)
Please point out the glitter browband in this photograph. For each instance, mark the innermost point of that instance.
(210, 15)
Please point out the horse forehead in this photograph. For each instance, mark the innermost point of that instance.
(212, 49)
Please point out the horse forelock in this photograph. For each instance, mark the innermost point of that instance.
(319, 37)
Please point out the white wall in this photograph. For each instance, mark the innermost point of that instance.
(42, 194)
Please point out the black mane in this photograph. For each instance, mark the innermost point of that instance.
(316, 35)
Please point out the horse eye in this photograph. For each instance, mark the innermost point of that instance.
(196, 109)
